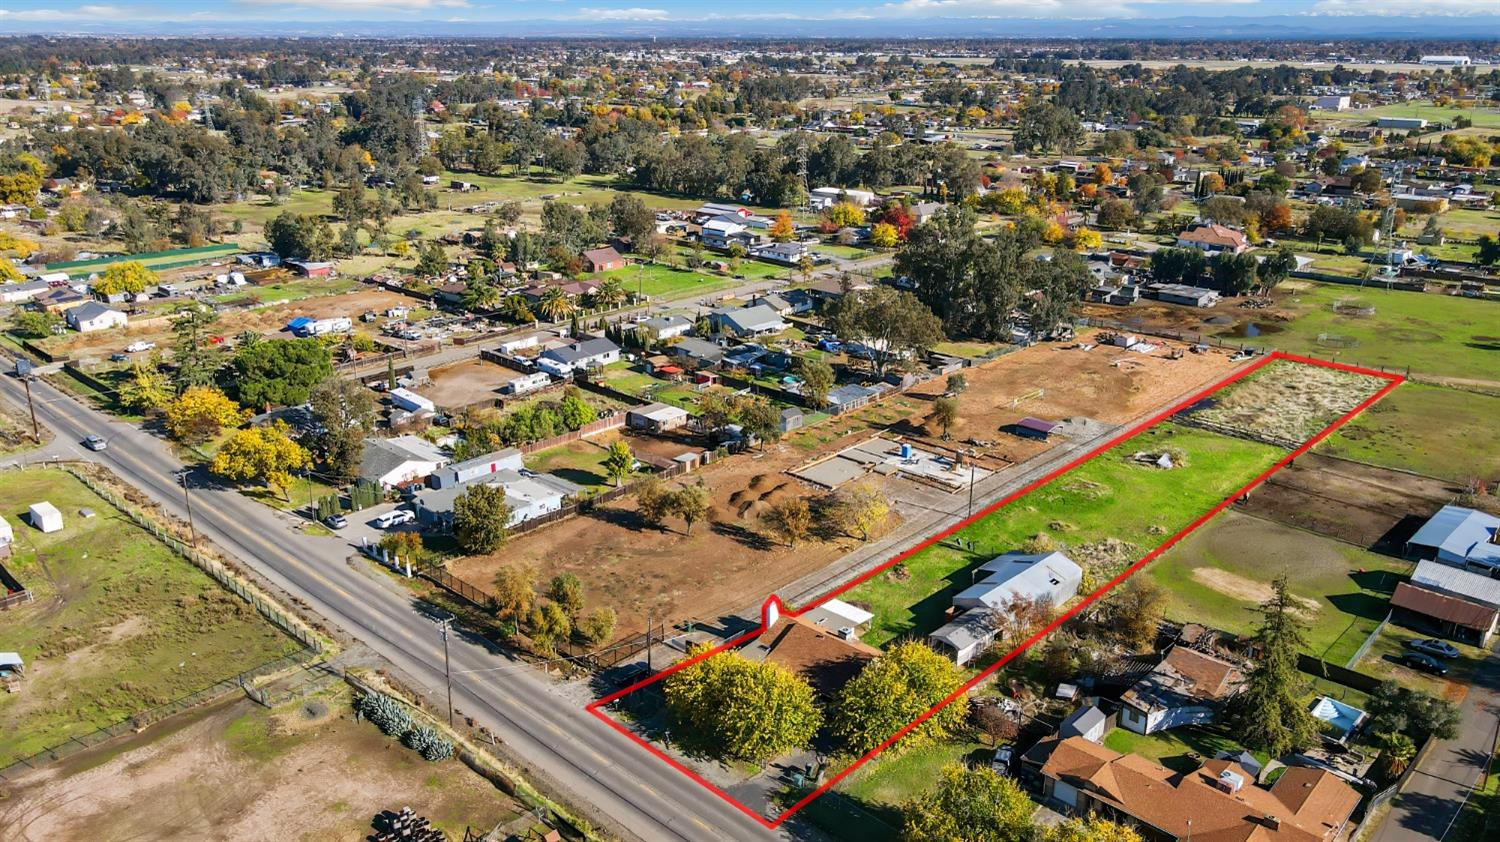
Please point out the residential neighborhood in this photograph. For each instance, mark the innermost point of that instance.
(884, 422)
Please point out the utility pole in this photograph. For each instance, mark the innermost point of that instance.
(36, 432)
(648, 641)
(971, 484)
(188, 503)
(443, 626)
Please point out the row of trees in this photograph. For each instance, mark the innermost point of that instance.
(1233, 274)
(552, 616)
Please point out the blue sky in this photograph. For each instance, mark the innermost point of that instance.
(58, 15)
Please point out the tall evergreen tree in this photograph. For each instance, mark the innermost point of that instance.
(1269, 714)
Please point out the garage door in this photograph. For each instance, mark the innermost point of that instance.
(1066, 793)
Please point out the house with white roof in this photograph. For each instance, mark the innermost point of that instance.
(1461, 537)
(588, 353)
(399, 461)
(1052, 578)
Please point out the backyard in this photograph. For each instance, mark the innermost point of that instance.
(1105, 514)
(1221, 573)
(119, 623)
(1180, 749)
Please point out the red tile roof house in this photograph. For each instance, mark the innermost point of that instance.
(1214, 239)
(1217, 802)
(602, 260)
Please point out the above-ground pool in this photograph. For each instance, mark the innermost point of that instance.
(1340, 717)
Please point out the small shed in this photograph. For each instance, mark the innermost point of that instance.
(45, 516)
(6, 533)
(1088, 722)
(1034, 428)
(791, 419)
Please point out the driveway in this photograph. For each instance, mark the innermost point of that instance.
(1436, 791)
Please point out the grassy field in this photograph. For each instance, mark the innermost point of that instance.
(1105, 513)
(1482, 117)
(663, 281)
(1441, 335)
(894, 777)
(1430, 430)
(1174, 749)
(119, 623)
(579, 462)
(1220, 574)
(304, 770)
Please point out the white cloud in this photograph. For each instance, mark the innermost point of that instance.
(366, 5)
(1405, 8)
(1033, 8)
(91, 11)
(624, 14)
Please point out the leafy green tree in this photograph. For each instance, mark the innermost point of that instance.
(1488, 253)
(597, 626)
(892, 691)
(197, 360)
(1172, 265)
(741, 709)
(433, 260)
(1268, 714)
(653, 500)
(1235, 273)
(892, 323)
(817, 381)
(35, 324)
(1276, 267)
(345, 415)
(148, 389)
(971, 283)
(690, 502)
(1045, 126)
(280, 372)
(619, 462)
(969, 804)
(575, 411)
(760, 418)
(945, 412)
(481, 518)
(566, 590)
(300, 236)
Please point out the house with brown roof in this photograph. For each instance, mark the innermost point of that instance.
(602, 260)
(1186, 688)
(1214, 239)
(1447, 615)
(1217, 802)
(826, 658)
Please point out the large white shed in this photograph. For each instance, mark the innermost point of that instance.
(45, 516)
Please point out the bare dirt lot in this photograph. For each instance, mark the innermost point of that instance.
(237, 771)
(466, 382)
(267, 320)
(723, 566)
(1364, 505)
(1053, 382)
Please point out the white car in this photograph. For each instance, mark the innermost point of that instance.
(137, 347)
(394, 518)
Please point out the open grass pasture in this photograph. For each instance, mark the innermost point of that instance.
(1219, 575)
(1441, 336)
(119, 623)
(1431, 430)
(1105, 514)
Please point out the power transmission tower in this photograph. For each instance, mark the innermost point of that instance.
(416, 115)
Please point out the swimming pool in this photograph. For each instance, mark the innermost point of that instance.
(1343, 718)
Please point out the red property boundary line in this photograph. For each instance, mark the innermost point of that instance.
(596, 707)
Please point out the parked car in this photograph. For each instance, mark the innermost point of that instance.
(1004, 755)
(395, 517)
(1435, 648)
(95, 442)
(335, 521)
(137, 347)
(119, 357)
(1424, 663)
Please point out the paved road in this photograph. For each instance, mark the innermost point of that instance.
(588, 760)
(1450, 770)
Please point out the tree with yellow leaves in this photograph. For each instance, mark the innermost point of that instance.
(266, 454)
(1053, 233)
(884, 235)
(782, 230)
(130, 277)
(8, 271)
(846, 215)
(1085, 239)
(19, 246)
(199, 413)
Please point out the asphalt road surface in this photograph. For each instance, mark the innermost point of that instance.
(590, 761)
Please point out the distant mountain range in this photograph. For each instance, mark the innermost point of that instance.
(1281, 27)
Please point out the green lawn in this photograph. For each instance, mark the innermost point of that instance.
(1174, 749)
(663, 281)
(1430, 430)
(1482, 117)
(1438, 335)
(1480, 818)
(291, 290)
(1110, 497)
(119, 623)
(846, 252)
(894, 777)
(1218, 576)
(968, 350)
(579, 462)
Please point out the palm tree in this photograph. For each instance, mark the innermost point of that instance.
(609, 295)
(480, 295)
(555, 304)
